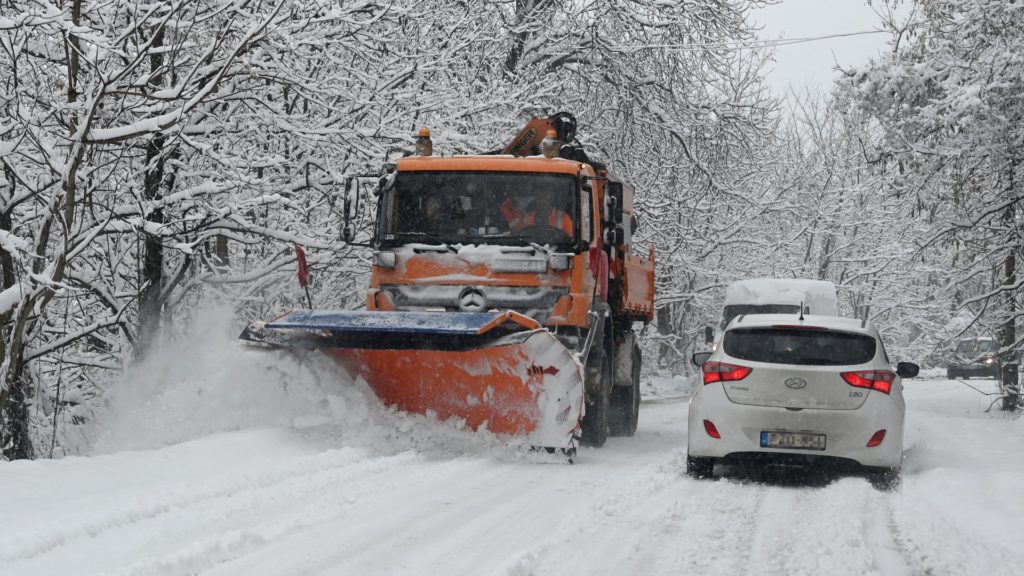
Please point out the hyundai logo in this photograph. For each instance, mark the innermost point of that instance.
(472, 300)
(795, 383)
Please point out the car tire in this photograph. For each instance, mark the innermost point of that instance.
(885, 479)
(700, 468)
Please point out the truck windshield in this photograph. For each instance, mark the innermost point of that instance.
(975, 347)
(508, 208)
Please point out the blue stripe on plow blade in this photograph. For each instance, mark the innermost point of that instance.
(356, 321)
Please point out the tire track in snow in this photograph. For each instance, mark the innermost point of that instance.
(201, 501)
(842, 528)
(334, 501)
(713, 524)
(907, 563)
(497, 509)
(939, 543)
(621, 532)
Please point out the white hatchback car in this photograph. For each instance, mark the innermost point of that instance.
(799, 388)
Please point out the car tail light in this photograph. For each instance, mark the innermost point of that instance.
(709, 427)
(880, 380)
(876, 438)
(722, 372)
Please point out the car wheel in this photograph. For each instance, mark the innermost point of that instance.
(699, 467)
(885, 479)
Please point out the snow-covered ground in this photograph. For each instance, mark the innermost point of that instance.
(212, 467)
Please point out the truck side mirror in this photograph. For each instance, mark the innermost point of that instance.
(385, 179)
(700, 358)
(614, 236)
(351, 210)
(348, 232)
(614, 201)
(709, 334)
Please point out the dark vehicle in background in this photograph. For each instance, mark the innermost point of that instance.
(974, 357)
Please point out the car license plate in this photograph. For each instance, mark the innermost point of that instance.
(793, 440)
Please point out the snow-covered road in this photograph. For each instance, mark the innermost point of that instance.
(320, 498)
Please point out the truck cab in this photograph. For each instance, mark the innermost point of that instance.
(544, 237)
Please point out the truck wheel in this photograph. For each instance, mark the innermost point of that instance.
(595, 421)
(625, 401)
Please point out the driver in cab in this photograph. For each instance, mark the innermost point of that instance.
(543, 213)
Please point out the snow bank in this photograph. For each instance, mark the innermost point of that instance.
(662, 388)
(211, 382)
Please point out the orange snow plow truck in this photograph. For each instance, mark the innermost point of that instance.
(504, 293)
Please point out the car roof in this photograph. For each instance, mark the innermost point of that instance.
(810, 320)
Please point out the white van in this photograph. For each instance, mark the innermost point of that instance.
(775, 296)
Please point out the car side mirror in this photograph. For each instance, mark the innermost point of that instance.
(699, 358)
(709, 334)
(907, 369)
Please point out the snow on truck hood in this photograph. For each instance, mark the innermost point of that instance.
(432, 263)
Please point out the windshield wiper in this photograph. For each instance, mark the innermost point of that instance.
(525, 240)
(430, 237)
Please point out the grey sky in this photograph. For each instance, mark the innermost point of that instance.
(812, 63)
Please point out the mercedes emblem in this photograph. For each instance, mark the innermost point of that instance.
(472, 300)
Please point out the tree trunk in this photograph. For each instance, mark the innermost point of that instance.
(15, 443)
(222, 252)
(524, 10)
(1011, 361)
(151, 301)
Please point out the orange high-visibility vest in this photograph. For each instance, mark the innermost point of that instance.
(517, 220)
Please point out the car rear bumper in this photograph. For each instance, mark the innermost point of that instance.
(847, 431)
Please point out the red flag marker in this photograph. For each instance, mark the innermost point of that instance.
(303, 266)
(300, 255)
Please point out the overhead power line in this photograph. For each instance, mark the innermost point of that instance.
(751, 44)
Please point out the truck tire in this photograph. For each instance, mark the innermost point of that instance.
(625, 400)
(595, 421)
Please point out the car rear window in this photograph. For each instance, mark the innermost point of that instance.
(799, 346)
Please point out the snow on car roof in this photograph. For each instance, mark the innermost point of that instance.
(830, 322)
(820, 295)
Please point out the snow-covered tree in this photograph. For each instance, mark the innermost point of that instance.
(947, 101)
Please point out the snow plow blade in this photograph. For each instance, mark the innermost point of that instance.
(495, 370)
